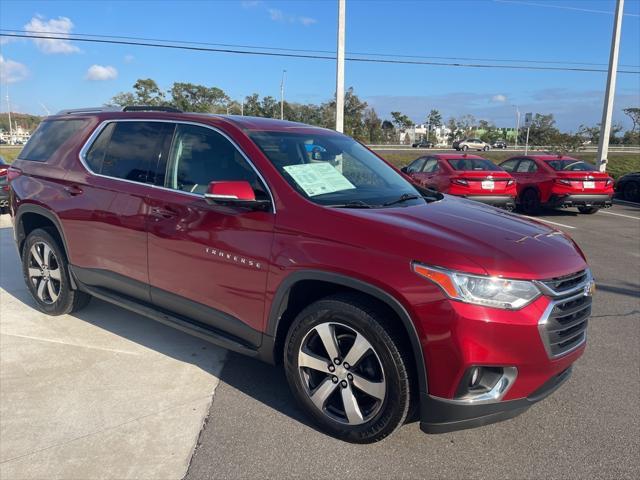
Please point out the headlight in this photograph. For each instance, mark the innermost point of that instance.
(488, 291)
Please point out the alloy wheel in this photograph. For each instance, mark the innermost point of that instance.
(342, 374)
(44, 272)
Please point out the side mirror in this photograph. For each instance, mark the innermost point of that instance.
(238, 193)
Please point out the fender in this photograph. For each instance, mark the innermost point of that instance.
(281, 300)
(20, 236)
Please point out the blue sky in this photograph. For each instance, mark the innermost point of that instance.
(56, 75)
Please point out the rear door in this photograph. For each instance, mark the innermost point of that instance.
(107, 227)
(209, 262)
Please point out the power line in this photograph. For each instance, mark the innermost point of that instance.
(307, 56)
(69, 36)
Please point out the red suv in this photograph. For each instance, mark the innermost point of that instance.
(465, 175)
(373, 293)
(559, 181)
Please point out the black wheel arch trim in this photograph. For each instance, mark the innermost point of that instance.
(281, 300)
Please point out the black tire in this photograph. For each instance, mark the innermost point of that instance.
(486, 148)
(631, 191)
(588, 210)
(345, 314)
(530, 202)
(66, 299)
(465, 148)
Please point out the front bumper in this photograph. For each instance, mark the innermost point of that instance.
(580, 200)
(441, 415)
(502, 201)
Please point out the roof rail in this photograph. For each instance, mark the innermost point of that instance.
(80, 111)
(150, 108)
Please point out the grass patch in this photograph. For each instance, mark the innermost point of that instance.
(619, 163)
(10, 153)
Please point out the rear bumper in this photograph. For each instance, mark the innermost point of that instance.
(502, 201)
(439, 415)
(579, 200)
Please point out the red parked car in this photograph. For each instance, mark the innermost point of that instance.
(4, 187)
(559, 181)
(374, 294)
(469, 176)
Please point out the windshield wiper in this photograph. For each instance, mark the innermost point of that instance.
(353, 204)
(403, 198)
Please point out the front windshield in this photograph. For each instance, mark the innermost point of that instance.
(335, 170)
(571, 165)
(479, 164)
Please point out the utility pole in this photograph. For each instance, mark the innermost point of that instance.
(517, 127)
(607, 109)
(284, 72)
(9, 113)
(340, 69)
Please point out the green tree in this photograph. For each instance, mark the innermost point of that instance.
(373, 126)
(541, 131)
(190, 97)
(433, 121)
(401, 121)
(634, 114)
(145, 92)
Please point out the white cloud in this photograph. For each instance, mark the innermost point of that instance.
(129, 58)
(12, 71)
(101, 72)
(278, 15)
(56, 27)
(499, 98)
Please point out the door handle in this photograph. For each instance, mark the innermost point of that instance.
(73, 190)
(160, 212)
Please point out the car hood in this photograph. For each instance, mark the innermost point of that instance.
(464, 235)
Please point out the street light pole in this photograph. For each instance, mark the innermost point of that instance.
(515, 146)
(284, 72)
(607, 109)
(340, 69)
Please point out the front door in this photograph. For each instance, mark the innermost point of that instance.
(209, 262)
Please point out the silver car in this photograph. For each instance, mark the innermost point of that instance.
(471, 144)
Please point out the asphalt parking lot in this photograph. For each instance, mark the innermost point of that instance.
(109, 394)
(590, 428)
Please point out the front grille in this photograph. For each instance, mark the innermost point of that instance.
(560, 285)
(565, 326)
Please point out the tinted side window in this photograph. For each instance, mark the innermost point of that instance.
(131, 151)
(200, 156)
(48, 137)
(431, 165)
(416, 165)
(527, 166)
(509, 165)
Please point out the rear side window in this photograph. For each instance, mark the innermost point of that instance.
(127, 150)
(416, 165)
(509, 165)
(48, 137)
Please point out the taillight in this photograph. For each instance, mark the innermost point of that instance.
(609, 182)
(13, 173)
(562, 181)
(3, 172)
(459, 181)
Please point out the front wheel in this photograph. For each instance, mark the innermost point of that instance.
(588, 210)
(46, 274)
(486, 148)
(347, 369)
(465, 148)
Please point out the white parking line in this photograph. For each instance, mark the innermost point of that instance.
(548, 221)
(622, 215)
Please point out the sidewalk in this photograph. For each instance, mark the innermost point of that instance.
(103, 393)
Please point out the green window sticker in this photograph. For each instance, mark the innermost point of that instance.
(318, 178)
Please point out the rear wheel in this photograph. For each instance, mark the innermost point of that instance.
(46, 274)
(588, 210)
(631, 192)
(465, 148)
(486, 148)
(530, 202)
(347, 370)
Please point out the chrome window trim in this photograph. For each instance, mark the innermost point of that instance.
(94, 135)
